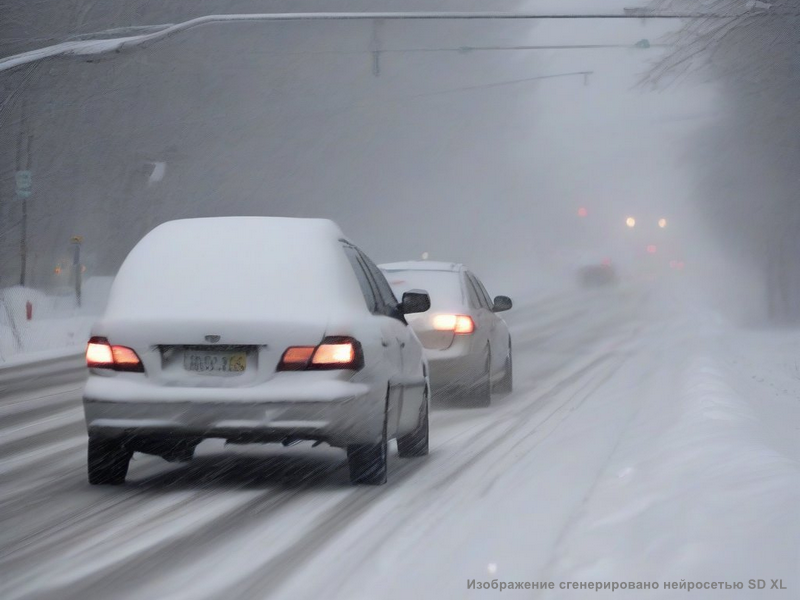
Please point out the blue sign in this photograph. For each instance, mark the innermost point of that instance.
(24, 184)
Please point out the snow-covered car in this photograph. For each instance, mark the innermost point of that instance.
(254, 330)
(467, 344)
(597, 275)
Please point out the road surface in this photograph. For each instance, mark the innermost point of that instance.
(604, 464)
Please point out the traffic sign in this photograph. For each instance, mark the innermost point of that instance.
(24, 181)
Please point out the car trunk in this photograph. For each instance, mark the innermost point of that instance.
(430, 338)
(219, 354)
(446, 294)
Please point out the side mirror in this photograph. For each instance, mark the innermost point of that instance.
(502, 303)
(415, 301)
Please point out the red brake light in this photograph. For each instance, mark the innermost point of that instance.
(332, 353)
(102, 355)
(458, 324)
(126, 359)
(296, 358)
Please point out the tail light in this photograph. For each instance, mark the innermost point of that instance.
(458, 324)
(102, 355)
(296, 358)
(332, 353)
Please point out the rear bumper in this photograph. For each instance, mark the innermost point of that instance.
(453, 368)
(337, 412)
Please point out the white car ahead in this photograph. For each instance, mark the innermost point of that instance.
(467, 344)
(253, 330)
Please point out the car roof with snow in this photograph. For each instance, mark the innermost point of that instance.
(236, 268)
(421, 265)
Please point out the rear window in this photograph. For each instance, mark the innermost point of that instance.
(444, 287)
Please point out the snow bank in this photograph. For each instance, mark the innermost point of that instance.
(710, 473)
(56, 323)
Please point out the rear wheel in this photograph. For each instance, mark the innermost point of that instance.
(506, 384)
(368, 463)
(416, 443)
(481, 393)
(108, 461)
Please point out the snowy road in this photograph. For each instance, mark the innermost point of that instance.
(643, 443)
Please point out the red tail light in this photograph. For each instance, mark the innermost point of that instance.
(332, 353)
(458, 324)
(102, 355)
(296, 358)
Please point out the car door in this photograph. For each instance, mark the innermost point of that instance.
(392, 359)
(412, 379)
(500, 336)
(485, 321)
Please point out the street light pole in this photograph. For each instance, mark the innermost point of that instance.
(23, 191)
(375, 45)
(76, 266)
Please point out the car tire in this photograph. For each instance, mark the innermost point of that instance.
(369, 463)
(108, 461)
(416, 443)
(480, 396)
(506, 384)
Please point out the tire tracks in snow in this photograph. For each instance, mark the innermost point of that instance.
(550, 568)
(133, 554)
(339, 518)
(335, 519)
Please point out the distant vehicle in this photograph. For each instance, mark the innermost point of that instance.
(254, 330)
(467, 344)
(598, 275)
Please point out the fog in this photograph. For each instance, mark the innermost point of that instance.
(625, 171)
(451, 141)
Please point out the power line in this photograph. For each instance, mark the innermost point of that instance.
(108, 46)
(467, 49)
(494, 84)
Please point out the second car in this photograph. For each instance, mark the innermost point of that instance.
(467, 344)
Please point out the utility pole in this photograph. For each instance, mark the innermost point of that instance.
(77, 268)
(24, 244)
(375, 46)
(24, 189)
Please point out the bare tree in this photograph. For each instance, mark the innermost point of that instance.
(748, 161)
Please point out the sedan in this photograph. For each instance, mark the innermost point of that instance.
(467, 343)
(254, 330)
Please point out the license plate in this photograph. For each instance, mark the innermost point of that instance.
(214, 362)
